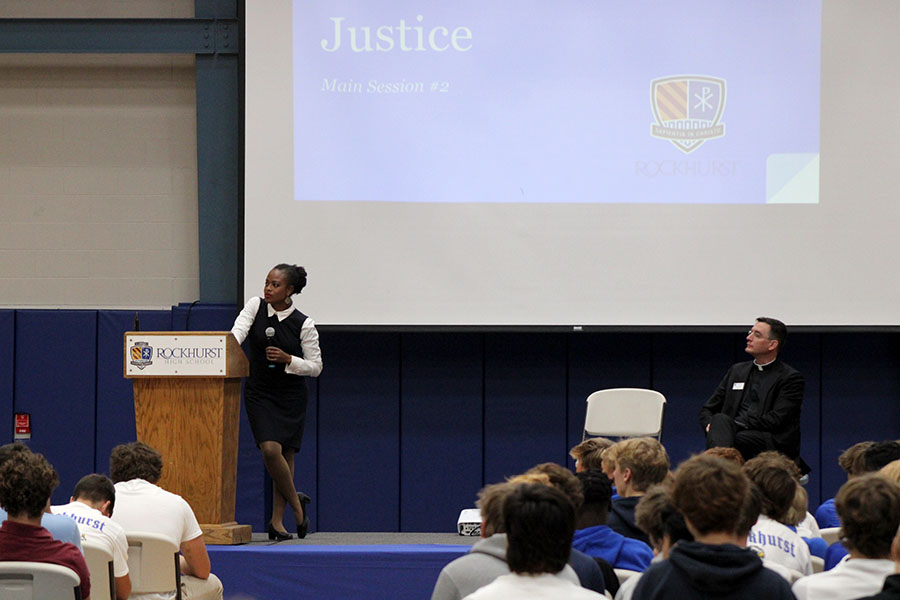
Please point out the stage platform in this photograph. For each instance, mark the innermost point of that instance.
(337, 566)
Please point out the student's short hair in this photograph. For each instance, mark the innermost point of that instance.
(750, 511)
(608, 459)
(597, 488)
(95, 488)
(657, 516)
(709, 491)
(490, 502)
(9, 450)
(776, 484)
(26, 482)
(799, 507)
(891, 471)
(647, 459)
(728, 453)
(136, 460)
(782, 460)
(778, 330)
(540, 522)
(589, 453)
(853, 459)
(869, 509)
(880, 454)
(562, 479)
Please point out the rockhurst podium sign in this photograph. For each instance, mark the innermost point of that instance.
(179, 354)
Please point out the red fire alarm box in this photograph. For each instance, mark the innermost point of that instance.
(23, 426)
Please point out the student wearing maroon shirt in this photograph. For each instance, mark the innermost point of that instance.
(26, 482)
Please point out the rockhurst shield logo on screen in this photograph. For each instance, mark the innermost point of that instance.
(687, 109)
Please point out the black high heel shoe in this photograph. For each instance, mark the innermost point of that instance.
(278, 536)
(303, 528)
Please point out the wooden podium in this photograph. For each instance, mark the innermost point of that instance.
(187, 401)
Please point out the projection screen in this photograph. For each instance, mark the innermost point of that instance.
(575, 163)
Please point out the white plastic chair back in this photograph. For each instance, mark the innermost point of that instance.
(100, 563)
(625, 574)
(830, 534)
(38, 581)
(624, 413)
(153, 564)
(818, 564)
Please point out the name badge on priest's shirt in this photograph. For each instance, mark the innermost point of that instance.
(738, 385)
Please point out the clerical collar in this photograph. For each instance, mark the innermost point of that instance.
(762, 367)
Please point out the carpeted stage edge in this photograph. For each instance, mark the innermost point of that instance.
(337, 566)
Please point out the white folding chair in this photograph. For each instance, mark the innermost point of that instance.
(100, 563)
(153, 563)
(624, 413)
(830, 534)
(38, 581)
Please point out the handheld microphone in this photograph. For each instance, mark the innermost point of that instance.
(270, 341)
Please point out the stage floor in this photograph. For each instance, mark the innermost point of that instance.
(337, 566)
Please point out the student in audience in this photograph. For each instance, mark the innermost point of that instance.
(891, 471)
(589, 453)
(881, 454)
(539, 522)
(869, 508)
(141, 505)
(91, 507)
(595, 538)
(663, 524)
(26, 482)
(710, 493)
(798, 518)
(769, 536)
(872, 458)
(891, 589)
(727, 453)
(487, 559)
(852, 461)
(640, 464)
(591, 574)
(608, 465)
(60, 528)
(749, 514)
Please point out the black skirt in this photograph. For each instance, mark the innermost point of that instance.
(277, 415)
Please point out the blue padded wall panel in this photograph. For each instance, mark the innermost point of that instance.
(203, 317)
(802, 352)
(600, 361)
(359, 432)
(115, 397)
(687, 367)
(7, 364)
(440, 428)
(56, 363)
(253, 499)
(860, 391)
(524, 402)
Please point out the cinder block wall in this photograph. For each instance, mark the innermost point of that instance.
(98, 170)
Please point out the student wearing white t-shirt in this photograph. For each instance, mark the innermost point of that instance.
(91, 505)
(869, 509)
(772, 540)
(141, 505)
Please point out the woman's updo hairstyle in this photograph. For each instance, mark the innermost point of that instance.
(295, 274)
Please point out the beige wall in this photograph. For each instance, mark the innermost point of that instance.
(98, 171)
